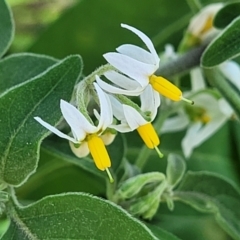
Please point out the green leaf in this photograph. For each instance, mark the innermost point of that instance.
(60, 148)
(226, 14)
(175, 169)
(74, 216)
(161, 234)
(211, 193)
(224, 47)
(18, 68)
(6, 27)
(20, 134)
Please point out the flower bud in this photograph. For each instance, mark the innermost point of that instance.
(133, 185)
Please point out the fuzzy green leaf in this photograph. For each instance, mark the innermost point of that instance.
(20, 134)
(226, 14)
(175, 169)
(212, 193)
(18, 68)
(6, 27)
(74, 216)
(224, 47)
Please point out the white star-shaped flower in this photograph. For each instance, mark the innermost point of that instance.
(136, 68)
(85, 133)
(131, 119)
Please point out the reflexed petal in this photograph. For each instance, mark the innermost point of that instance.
(76, 120)
(123, 127)
(134, 69)
(133, 117)
(105, 108)
(117, 108)
(111, 89)
(55, 130)
(150, 101)
(175, 124)
(81, 151)
(108, 138)
(145, 39)
(187, 141)
(197, 80)
(137, 53)
(122, 81)
(231, 70)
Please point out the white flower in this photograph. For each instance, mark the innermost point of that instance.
(215, 112)
(131, 119)
(137, 67)
(201, 25)
(84, 132)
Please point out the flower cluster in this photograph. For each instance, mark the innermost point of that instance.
(132, 74)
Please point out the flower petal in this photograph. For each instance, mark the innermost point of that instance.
(105, 108)
(81, 151)
(133, 117)
(55, 130)
(145, 39)
(111, 89)
(175, 124)
(139, 71)
(231, 70)
(197, 80)
(191, 135)
(209, 129)
(121, 80)
(137, 53)
(117, 108)
(225, 107)
(150, 101)
(79, 124)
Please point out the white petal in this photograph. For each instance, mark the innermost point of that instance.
(81, 151)
(121, 80)
(231, 70)
(137, 53)
(117, 108)
(79, 124)
(134, 69)
(175, 124)
(133, 117)
(111, 89)
(209, 129)
(207, 102)
(225, 107)
(123, 127)
(55, 130)
(106, 115)
(197, 80)
(190, 136)
(150, 101)
(145, 39)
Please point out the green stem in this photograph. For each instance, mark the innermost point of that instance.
(194, 5)
(182, 64)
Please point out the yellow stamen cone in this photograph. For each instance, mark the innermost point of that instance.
(99, 154)
(167, 89)
(149, 135)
